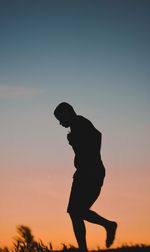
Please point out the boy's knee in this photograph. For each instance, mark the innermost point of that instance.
(76, 215)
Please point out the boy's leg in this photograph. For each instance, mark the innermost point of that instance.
(79, 231)
(110, 226)
(93, 217)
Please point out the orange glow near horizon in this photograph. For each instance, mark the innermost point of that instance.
(39, 201)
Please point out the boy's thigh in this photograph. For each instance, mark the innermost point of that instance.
(83, 195)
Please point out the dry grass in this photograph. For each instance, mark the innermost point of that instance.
(25, 242)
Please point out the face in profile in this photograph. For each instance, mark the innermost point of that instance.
(63, 123)
(63, 120)
(65, 114)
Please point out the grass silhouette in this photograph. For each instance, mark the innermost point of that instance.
(25, 242)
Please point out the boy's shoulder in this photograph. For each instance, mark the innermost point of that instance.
(81, 120)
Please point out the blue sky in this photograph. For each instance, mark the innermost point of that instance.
(76, 47)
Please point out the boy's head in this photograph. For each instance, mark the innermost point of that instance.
(65, 114)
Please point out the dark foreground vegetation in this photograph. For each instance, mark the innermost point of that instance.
(25, 242)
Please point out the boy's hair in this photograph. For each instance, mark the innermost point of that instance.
(64, 108)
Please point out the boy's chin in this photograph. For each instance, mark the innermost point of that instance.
(65, 126)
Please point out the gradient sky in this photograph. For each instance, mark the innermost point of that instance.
(96, 56)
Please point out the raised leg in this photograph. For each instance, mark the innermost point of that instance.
(93, 217)
(110, 226)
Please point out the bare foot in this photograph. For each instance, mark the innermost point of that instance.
(111, 231)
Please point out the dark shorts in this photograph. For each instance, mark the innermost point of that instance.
(84, 192)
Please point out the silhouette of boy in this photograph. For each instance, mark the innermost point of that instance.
(88, 179)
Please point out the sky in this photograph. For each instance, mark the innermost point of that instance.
(94, 55)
